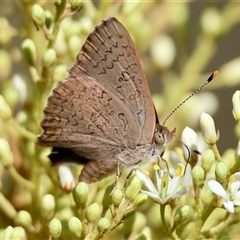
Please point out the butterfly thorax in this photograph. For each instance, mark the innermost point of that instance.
(149, 152)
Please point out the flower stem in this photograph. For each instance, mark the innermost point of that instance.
(19, 179)
(162, 213)
(216, 152)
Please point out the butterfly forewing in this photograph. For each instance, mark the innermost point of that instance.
(109, 55)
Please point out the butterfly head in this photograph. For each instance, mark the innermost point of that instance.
(162, 136)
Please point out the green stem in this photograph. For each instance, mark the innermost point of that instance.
(162, 213)
(25, 133)
(19, 179)
(236, 166)
(222, 225)
(58, 18)
(216, 152)
(7, 208)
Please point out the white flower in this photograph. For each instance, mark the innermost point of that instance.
(167, 187)
(231, 197)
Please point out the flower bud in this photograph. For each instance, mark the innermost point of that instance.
(9, 31)
(211, 22)
(75, 4)
(24, 218)
(140, 199)
(55, 228)
(38, 15)
(48, 19)
(6, 155)
(75, 226)
(74, 44)
(49, 58)
(59, 72)
(208, 158)
(163, 51)
(140, 236)
(66, 177)
(18, 233)
(80, 194)
(48, 206)
(133, 188)
(221, 172)
(8, 232)
(198, 175)
(29, 51)
(181, 214)
(5, 110)
(103, 224)
(236, 105)
(189, 137)
(230, 73)
(208, 129)
(93, 212)
(117, 197)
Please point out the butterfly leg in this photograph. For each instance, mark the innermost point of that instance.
(118, 174)
(127, 178)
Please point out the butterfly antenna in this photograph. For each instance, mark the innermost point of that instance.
(213, 75)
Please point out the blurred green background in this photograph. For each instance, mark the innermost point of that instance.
(180, 44)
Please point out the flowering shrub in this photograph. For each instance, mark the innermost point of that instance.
(195, 189)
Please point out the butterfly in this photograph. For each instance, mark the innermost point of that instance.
(102, 114)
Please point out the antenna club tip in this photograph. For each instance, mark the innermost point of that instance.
(215, 73)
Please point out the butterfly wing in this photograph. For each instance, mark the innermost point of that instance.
(84, 116)
(109, 55)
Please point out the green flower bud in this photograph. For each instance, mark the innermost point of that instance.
(6, 155)
(49, 58)
(24, 218)
(18, 233)
(133, 188)
(236, 105)
(29, 51)
(59, 72)
(9, 31)
(55, 228)
(93, 212)
(181, 214)
(140, 199)
(80, 194)
(48, 18)
(48, 206)
(38, 15)
(208, 158)
(198, 175)
(75, 4)
(221, 172)
(140, 236)
(208, 129)
(75, 226)
(103, 224)
(5, 110)
(74, 44)
(8, 232)
(117, 197)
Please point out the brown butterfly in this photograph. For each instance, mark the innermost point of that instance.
(102, 115)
